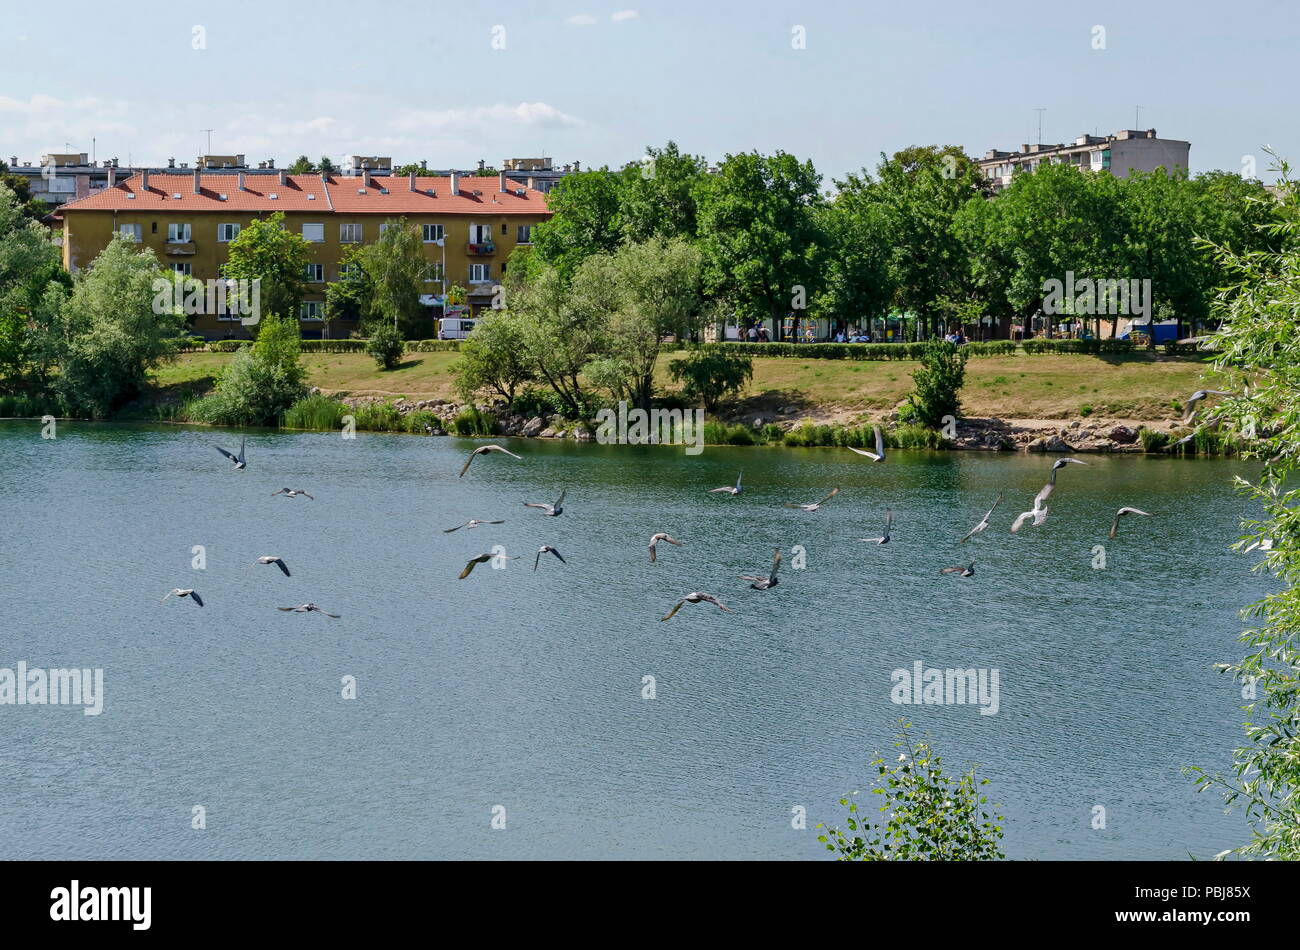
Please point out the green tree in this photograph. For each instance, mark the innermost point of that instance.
(925, 813)
(349, 297)
(326, 166)
(937, 384)
(110, 333)
(386, 346)
(20, 186)
(266, 250)
(657, 195)
(302, 165)
(261, 382)
(857, 285)
(1258, 345)
(559, 339)
(585, 220)
(707, 374)
(396, 272)
(32, 280)
(759, 233)
(494, 358)
(638, 295)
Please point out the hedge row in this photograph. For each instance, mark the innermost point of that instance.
(320, 346)
(852, 351)
(1039, 345)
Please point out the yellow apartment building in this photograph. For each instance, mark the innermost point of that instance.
(470, 226)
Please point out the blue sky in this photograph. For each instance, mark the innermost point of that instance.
(598, 82)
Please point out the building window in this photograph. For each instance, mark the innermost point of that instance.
(313, 310)
(314, 273)
(178, 234)
(478, 273)
(314, 233)
(432, 233)
(227, 233)
(349, 270)
(525, 234)
(131, 231)
(480, 234)
(185, 268)
(349, 234)
(153, 227)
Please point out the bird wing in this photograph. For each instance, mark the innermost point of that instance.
(274, 493)
(467, 463)
(1020, 520)
(457, 528)
(726, 488)
(652, 552)
(871, 455)
(717, 603)
(880, 443)
(559, 501)
(537, 558)
(776, 564)
(676, 607)
(328, 614)
(1134, 511)
(889, 519)
(834, 492)
(196, 598)
(1114, 525)
(989, 514)
(1043, 494)
(241, 448)
(471, 565)
(559, 555)
(508, 452)
(301, 492)
(790, 504)
(951, 570)
(535, 504)
(226, 454)
(281, 565)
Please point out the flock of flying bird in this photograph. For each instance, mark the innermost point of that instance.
(1034, 517)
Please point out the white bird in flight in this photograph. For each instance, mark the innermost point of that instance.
(1114, 525)
(547, 549)
(481, 559)
(239, 460)
(277, 561)
(967, 571)
(813, 506)
(1039, 514)
(472, 523)
(550, 511)
(480, 451)
(879, 454)
(291, 493)
(1045, 492)
(183, 592)
(765, 583)
(661, 536)
(984, 522)
(308, 608)
(695, 597)
(729, 489)
(889, 524)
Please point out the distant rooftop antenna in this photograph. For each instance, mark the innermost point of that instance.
(1137, 120)
(1040, 124)
(209, 131)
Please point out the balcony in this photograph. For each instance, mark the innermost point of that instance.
(179, 248)
(480, 248)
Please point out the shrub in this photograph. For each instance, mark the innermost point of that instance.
(913, 437)
(1085, 410)
(924, 814)
(249, 392)
(385, 346)
(537, 402)
(473, 422)
(1152, 440)
(378, 417)
(937, 382)
(316, 411)
(228, 346)
(707, 375)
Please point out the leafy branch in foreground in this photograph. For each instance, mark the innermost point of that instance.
(926, 815)
(1259, 343)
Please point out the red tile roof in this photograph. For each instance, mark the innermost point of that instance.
(337, 193)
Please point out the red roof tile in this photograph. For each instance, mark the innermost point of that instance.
(339, 194)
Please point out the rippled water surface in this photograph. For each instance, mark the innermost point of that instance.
(524, 689)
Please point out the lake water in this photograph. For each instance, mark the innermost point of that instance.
(523, 689)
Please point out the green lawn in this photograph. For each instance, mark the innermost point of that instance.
(1013, 387)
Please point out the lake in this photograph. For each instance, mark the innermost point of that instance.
(524, 689)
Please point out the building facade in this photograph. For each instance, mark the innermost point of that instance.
(1126, 151)
(469, 227)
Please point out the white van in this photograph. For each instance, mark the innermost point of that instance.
(454, 328)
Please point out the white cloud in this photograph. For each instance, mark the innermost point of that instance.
(581, 19)
(622, 15)
(532, 114)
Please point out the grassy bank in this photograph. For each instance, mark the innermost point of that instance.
(1066, 386)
